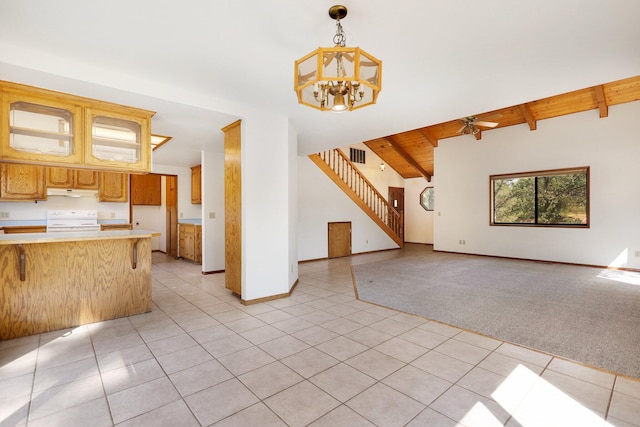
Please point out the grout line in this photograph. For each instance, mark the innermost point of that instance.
(613, 386)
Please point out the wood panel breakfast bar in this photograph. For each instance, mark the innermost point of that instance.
(52, 281)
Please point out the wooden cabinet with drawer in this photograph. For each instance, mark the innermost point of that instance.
(190, 242)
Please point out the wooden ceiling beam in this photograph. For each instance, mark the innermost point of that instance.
(398, 149)
(528, 116)
(602, 101)
(430, 138)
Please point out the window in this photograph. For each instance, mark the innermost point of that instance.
(426, 199)
(547, 198)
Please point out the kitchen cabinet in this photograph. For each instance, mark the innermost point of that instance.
(118, 139)
(39, 126)
(72, 178)
(22, 182)
(114, 187)
(110, 227)
(18, 229)
(146, 189)
(55, 281)
(196, 185)
(190, 242)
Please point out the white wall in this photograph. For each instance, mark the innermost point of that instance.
(266, 235)
(30, 211)
(212, 203)
(418, 223)
(320, 201)
(152, 218)
(610, 146)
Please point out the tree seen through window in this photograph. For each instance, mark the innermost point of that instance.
(544, 198)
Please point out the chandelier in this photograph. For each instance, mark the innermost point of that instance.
(338, 78)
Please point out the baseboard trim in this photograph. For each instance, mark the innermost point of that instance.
(271, 297)
(213, 272)
(606, 267)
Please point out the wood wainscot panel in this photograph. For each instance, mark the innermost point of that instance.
(68, 284)
(233, 207)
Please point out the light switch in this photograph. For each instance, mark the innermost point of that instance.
(212, 215)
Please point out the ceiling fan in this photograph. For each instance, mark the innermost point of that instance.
(471, 125)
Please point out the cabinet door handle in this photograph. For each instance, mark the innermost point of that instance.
(23, 262)
(134, 261)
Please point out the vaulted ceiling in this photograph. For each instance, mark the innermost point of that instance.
(410, 153)
(202, 64)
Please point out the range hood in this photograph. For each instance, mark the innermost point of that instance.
(71, 192)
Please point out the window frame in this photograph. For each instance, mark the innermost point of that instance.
(537, 174)
(432, 191)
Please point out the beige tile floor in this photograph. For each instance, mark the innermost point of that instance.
(319, 357)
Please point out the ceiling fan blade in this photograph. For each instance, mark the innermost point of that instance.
(487, 124)
(461, 130)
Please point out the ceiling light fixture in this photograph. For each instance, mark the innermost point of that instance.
(348, 76)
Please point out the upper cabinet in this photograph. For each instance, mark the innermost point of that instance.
(117, 139)
(21, 182)
(114, 187)
(45, 127)
(196, 185)
(72, 178)
(146, 189)
(35, 127)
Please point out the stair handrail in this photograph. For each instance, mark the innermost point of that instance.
(364, 189)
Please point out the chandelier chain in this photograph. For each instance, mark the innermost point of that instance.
(340, 39)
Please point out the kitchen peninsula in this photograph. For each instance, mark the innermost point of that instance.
(52, 281)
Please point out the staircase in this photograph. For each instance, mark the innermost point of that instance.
(346, 176)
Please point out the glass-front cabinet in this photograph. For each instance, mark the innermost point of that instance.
(45, 127)
(116, 139)
(48, 129)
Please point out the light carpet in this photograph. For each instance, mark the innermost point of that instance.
(589, 315)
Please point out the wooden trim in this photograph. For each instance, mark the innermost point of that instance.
(233, 206)
(212, 272)
(271, 297)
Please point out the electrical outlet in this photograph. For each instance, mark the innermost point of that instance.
(181, 214)
(4, 215)
(637, 254)
(113, 214)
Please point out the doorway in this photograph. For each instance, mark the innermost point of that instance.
(171, 195)
(339, 239)
(158, 213)
(396, 200)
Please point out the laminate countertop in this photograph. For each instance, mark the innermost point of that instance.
(72, 236)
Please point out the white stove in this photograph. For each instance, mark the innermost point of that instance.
(79, 220)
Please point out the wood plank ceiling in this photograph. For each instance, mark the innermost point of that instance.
(411, 153)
